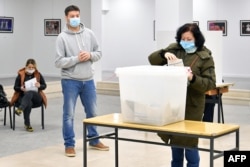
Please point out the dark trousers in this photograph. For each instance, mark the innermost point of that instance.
(208, 115)
(26, 102)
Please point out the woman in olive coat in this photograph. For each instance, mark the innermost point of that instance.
(190, 48)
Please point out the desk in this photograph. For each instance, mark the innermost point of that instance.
(205, 130)
(218, 91)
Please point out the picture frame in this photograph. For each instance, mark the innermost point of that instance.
(244, 27)
(6, 24)
(196, 22)
(217, 25)
(52, 27)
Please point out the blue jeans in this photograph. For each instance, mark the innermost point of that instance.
(71, 90)
(192, 157)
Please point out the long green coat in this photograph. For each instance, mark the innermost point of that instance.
(202, 65)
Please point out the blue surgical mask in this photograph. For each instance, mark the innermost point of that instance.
(189, 46)
(74, 22)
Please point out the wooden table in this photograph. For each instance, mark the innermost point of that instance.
(204, 130)
(218, 92)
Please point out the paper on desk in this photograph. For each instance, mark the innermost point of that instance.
(30, 85)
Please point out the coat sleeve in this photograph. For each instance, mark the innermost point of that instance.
(17, 84)
(157, 58)
(43, 84)
(95, 52)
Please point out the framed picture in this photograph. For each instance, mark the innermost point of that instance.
(217, 25)
(245, 27)
(52, 27)
(196, 22)
(6, 24)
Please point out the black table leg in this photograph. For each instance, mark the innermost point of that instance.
(84, 145)
(116, 148)
(211, 152)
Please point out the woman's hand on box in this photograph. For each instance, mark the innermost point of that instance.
(170, 56)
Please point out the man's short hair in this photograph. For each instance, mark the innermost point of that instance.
(71, 8)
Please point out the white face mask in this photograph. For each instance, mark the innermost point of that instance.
(74, 22)
(30, 71)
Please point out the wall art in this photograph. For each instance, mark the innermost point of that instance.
(217, 25)
(6, 24)
(245, 27)
(52, 27)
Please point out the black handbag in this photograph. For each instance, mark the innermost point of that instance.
(4, 102)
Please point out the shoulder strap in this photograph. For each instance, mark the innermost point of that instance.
(193, 62)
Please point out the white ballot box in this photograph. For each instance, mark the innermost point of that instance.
(153, 95)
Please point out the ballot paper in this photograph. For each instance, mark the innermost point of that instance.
(176, 62)
(30, 85)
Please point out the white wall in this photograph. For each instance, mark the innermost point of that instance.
(236, 50)
(127, 33)
(117, 43)
(16, 47)
(126, 27)
(170, 14)
(96, 26)
(28, 40)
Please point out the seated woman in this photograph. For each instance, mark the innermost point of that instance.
(29, 86)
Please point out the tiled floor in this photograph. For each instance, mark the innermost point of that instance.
(131, 154)
(44, 148)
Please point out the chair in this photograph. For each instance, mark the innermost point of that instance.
(42, 114)
(5, 113)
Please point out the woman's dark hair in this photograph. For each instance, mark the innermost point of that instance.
(31, 61)
(195, 30)
(71, 8)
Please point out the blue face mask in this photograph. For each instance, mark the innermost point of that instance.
(74, 22)
(189, 46)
